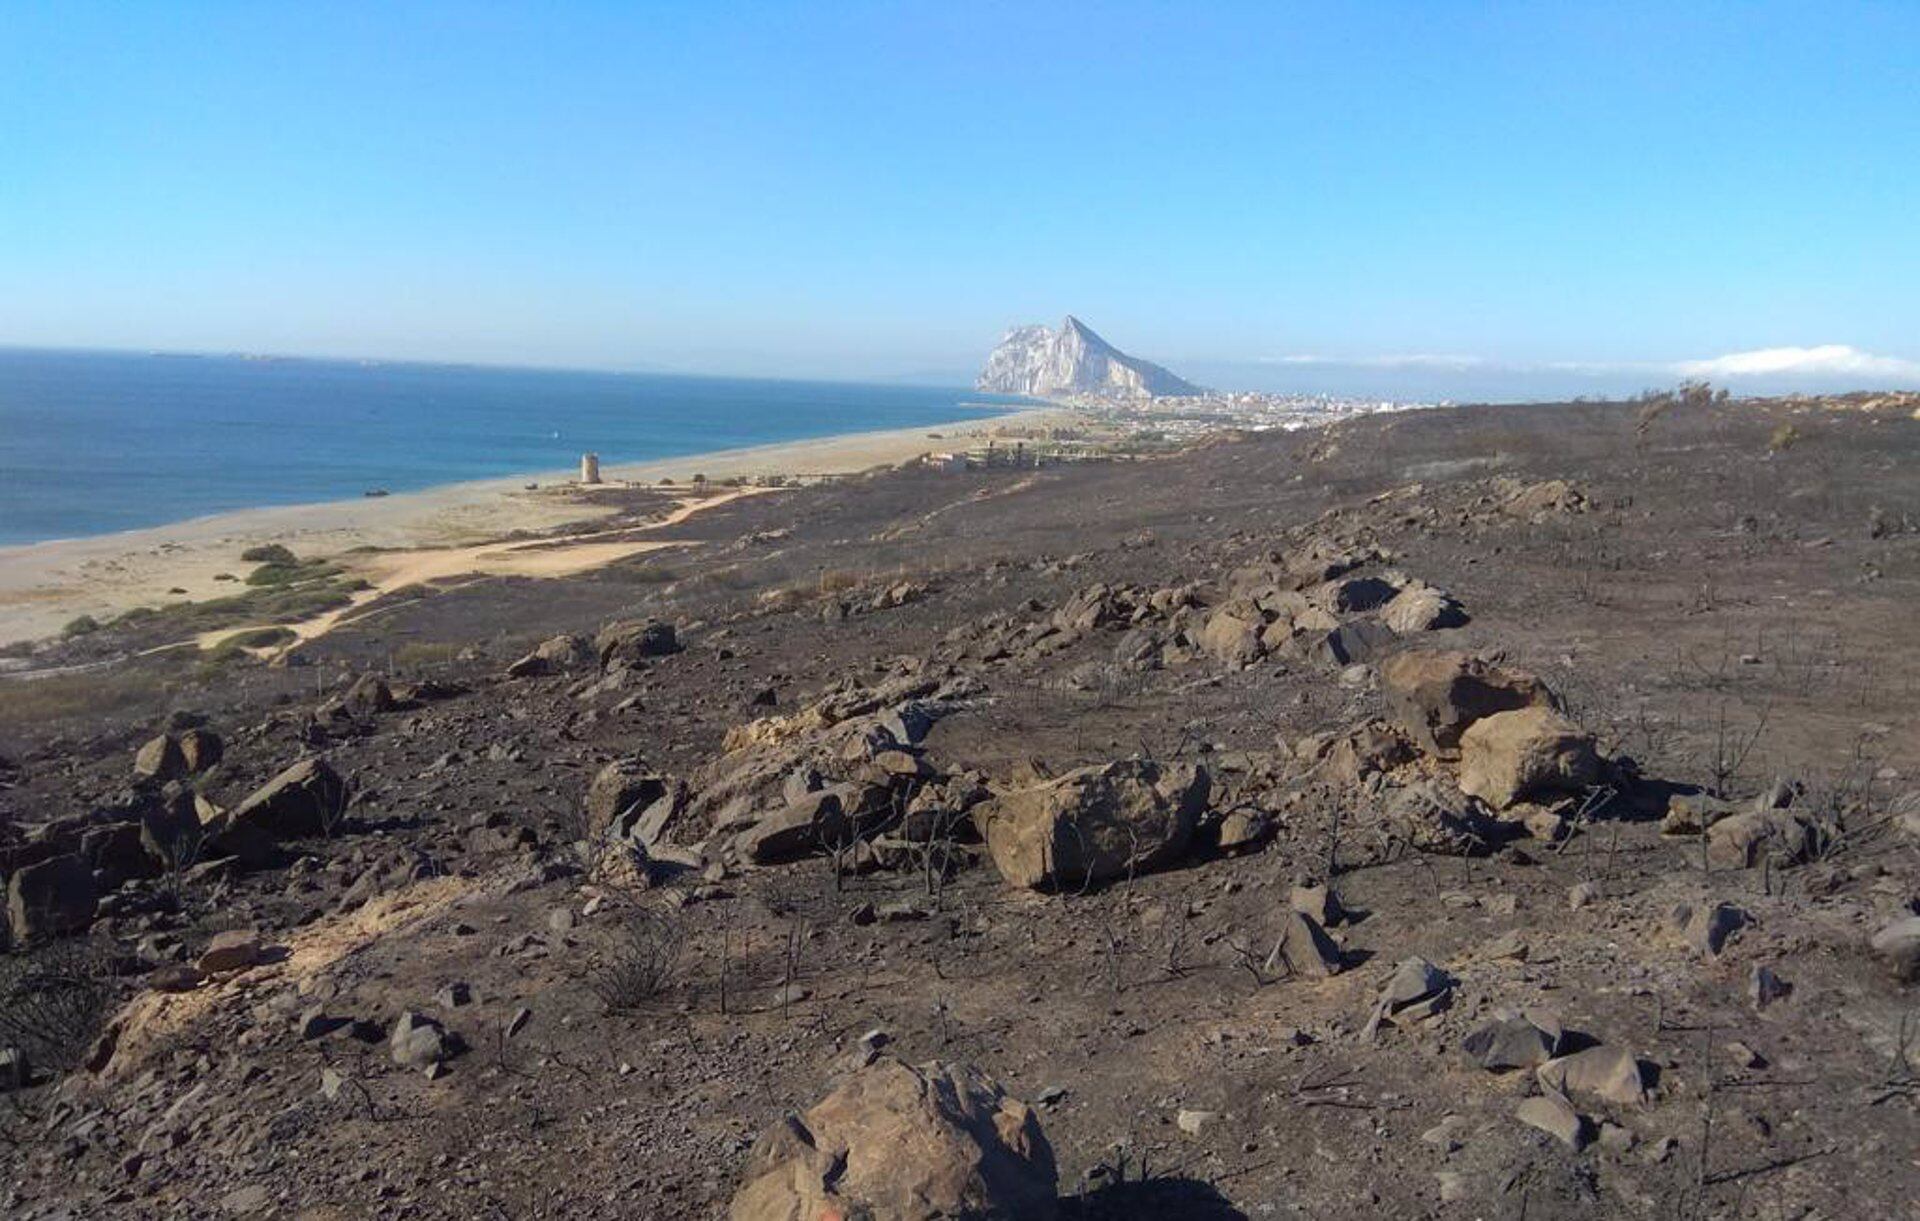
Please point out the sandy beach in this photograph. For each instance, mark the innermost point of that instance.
(43, 586)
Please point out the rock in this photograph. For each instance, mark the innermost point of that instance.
(1693, 813)
(369, 696)
(635, 640)
(1232, 634)
(1094, 824)
(620, 792)
(818, 819)
(160, 758)
(1539, 499)
(232, 950)
(1193, 1123)
(1605, 1072)
(1514, 1040)
(1417, 989)
(1318, 902)
(417, 1041)
(1742, 841)
(1349, 643)
(1556, 1117)
(554, 655)
(1764, 987)
(1898, 945)
(52, 897)
(1355, 595)
(906, 1144)
(1524, 753)
(1435, 696)
(175, 977)
(1511, 944)
(1422, 608)
(1616, 1139)
(305, 799)
(117, 852)
(456, 995)
(1243, 830)
(316, 1023)
(1304, 948)
(1707, 927)
(1356, 754)
(1744, 1056)
(1582, 894)
(908, 723)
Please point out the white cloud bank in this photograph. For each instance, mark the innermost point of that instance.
(1823, 360)
(1827, 358)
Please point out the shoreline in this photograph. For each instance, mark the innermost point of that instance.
(45, 585)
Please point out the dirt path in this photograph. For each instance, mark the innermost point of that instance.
(566, 555)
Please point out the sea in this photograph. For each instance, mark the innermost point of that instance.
(97, 442)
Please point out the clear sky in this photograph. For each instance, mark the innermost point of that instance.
(854, 189)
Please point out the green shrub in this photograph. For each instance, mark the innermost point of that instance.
(271, 553)
(80, 625)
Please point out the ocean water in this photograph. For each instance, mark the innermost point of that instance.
(93, 442)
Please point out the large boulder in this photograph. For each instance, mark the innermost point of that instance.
(52, 897)
(903, 1143)
(1435, 696)
(1525, 753)
(633, 640)
(1095, 823)
(306, 799)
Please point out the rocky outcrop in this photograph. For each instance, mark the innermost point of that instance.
(906, 1143)
(1041, 362)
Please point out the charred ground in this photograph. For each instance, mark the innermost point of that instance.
(1722, 598)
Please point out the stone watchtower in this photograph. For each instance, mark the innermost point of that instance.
(589, 468)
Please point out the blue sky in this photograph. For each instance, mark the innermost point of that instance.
(1259, 192)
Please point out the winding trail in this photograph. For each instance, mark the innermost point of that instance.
(558, 556)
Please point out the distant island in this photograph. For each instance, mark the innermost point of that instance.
(1044, 362)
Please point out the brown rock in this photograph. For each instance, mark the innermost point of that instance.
(620, 792)
(1528, 752)
(1605, 1072)
(1304, 948)
(635, 640)
(1435, 696)
(233, 950)
(1093, 824)
(1233, 634)
(906, 1144)
(1556, 1117)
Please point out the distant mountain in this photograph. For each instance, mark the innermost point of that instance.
(1073, 360)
